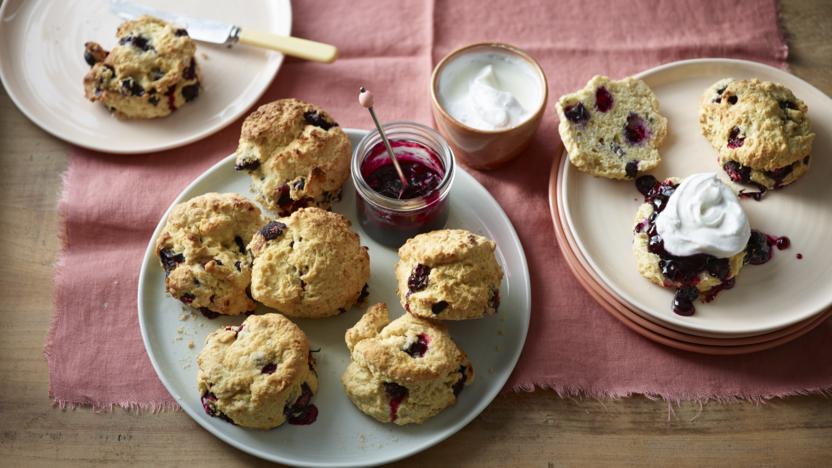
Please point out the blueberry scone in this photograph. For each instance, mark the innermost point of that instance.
(150, 73)
(450, 274)
(310, 264)
(202, 249)
(692, 237)
(612, 128)
(404, 371)
(296, 154)
(259, 374)
(760, 131)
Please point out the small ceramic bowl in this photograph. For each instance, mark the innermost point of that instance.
(486, 149)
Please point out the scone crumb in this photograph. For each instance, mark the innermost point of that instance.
(191, 344)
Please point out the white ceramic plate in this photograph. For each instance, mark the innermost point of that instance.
(42, 67)
(342, 435)
(782, 292)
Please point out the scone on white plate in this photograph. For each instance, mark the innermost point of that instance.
(405, 371)
(310, 264)
(260, 374)
(296, 154)
(150, 73)
(760, 131)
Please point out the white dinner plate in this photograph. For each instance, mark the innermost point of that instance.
(787, 290)
(342, 435)
(42, 67)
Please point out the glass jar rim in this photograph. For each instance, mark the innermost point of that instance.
(372, 138)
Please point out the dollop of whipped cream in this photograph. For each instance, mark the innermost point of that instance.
(703, 216)
(487, 105)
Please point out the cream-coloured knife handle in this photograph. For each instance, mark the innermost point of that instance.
(296, 47)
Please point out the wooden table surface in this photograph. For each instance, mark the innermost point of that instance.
(526, 429)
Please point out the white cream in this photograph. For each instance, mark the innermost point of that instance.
(703, 216)
(489, 90)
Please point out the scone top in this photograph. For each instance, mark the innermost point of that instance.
(268, 352)
(759, 124)
(407, 350)
(174, 51)
(612, 128)
(760, 131)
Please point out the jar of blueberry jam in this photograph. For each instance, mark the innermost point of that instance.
(387, 212)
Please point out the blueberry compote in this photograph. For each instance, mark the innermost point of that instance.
(683, 273)
(389, 212)
(423, 174)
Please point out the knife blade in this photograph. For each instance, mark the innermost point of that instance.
(215, 32)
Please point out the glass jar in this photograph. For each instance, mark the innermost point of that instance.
(391, 221)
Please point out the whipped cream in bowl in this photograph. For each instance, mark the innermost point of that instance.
(488, 100)
(703, 216)
(489, 91)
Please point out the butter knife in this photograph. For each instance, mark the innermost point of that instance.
(217, 32)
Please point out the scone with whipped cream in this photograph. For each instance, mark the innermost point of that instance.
(760, 131)
(612, 128)
(149, 74)
(296, 154)
(404, 371)
(690, 236)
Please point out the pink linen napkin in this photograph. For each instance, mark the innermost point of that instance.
(111, 204)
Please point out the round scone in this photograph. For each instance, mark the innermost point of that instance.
(612, 128)
(150, 73)
(202, 249)
(259, 374)
(296, 154)
(450, 274)
(705, 227)
(310, 264)
(404, 371)
(760, 131)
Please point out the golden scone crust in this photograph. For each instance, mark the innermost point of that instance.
(649, 264)
(150, 73)
(612, 128)
(449, 274)
(202, 250)
(296, 154)
(404, 371)
(760, 130)
(259, 374)
(310, 264)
